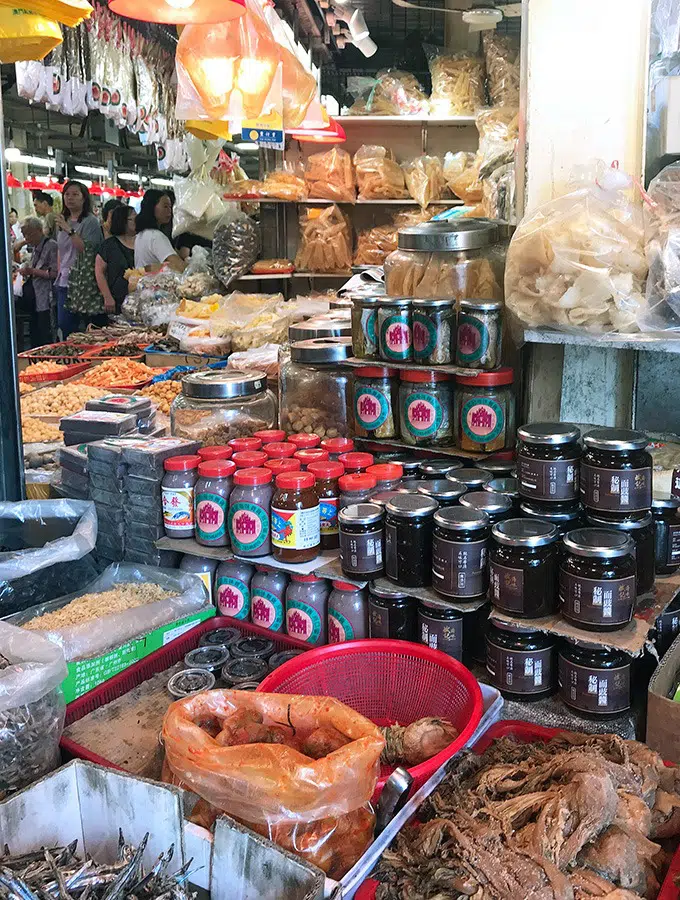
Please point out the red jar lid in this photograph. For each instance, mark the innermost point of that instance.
(283, 465)
(250, 459)
(376, 372)
(269, 435)
(246, 443)
(326, 469)
(304, 441)
(345, 586)
(217, 451)
(295, 481)
(305, 579)
(356, 460)
(386, 471)
(419, 377)
(314, 455)
(362, 481)
(338, 445)
(504, 375)
(182, 463)
(253, 476)
(216, 468)
(279, 450)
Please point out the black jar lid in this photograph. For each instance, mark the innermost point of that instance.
(252, 648)
(557, 513)
(598, 657)
(630, 523)
(551, 433)
(665, 502)
(410, 464)
(361, 514)
(490, 503)
(438, 468)
(525, 533)
(598, 543)
(388, 593)
(508, 487)
(613, 439)
(438, 607)
(411, 506)
(458, 518)
(474, 478)
(442, 489)
(498, 466)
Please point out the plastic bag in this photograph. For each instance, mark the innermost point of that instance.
(264, 358)
(425, 179)
(252, 320)
(198, 279)
(662, 233)
(199, 340)
(316, 808)
(330, 176)
(94, 637)
(379, 177)
(25, 35)
(394, 93)
(236, 245)
(154, 299)
(501, 54)
(462, 176)
(298, 84)
(375, 244)
(325, 241)
(457, 83)
(578, 262)
(285, 183)
(32, 707)
(498, 132)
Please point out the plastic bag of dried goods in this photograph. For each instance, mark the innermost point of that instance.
(299, 770)
(424, 177)
(236, 244)
(379, 176)
(462, 176)
(395, 93)
(457, 82)
(330, 176)
(298, 85)
(662, 234)
(285, 183)
(501, 54)
(325, 240)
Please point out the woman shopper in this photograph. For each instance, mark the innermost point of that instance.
(115, 255)
(153, 247)
(38, 279)
(79, 237)
(106, 213)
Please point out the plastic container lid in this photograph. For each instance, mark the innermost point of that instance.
(386, 471)
(345, 586)
(295, 481)
(249, 459)
(245, 443)
(217, 451)
(181, 463)
(224, 384)
(356, 460)
(316, 454)
(279, 450)
(427, 375)
(361, 481)
(216, 468)
(253, 476)
(326, 469)
(304, 441)
(322, 350)
(504, 375)
(450, 234)
(269, 435)
(338, 445)
(306, 579)
(375, 372)
(283, 465)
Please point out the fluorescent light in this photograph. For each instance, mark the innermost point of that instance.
(245, 146)
(129, 176)
(31, 160)
(161, 182)
(92, 170)
(12, 153)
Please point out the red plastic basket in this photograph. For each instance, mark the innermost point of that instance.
(67, 371)
(388, 682)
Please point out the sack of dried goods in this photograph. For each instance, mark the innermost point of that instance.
(236, 244)
(394, 93)
(457, 83)
(425, 179)
(379, 176)
(501, 53)
(330, 176)
(325, 241)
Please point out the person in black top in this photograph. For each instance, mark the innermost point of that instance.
(115, 255)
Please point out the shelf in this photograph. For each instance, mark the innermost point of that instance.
(269, 277)
(411, 366)
(345, 275)
(409, 201)
(402, 445)
(615, 341)
(407, 120)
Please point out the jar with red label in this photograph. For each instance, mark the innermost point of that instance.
(425, 408)
(268, 598)
(279, 450)
(387, 475)
(270, 435)
(217, 451)
(307, 608)
(327, 475)
(376, 401)
(304, 441)
(356, 462)
(334, 446)
(616, 471)
(305, 457)
(211, 502)
(521, 662)
(177, 494)
(250, 511)
(434, 326)
(548, 462)
(523, 561)
(296, 519)
(283, 465)
(395, 339)
(249, 459)
(594, 681)
(245, 443)
(484, 418)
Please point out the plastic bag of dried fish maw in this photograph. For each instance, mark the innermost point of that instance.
(424, 177)
(32, 707)
(498, 132)
(578, 262)
(662, 234)
(300, 770)
(330, 176)
(379, 176)
(285, 183)
(375, 244)
(462, 176)
(457, 82)
(325, 241)
(394, 93)
(501, 54)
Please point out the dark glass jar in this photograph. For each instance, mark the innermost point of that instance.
(593, 681)
(408, 539)
(501, 465)
(392, 614)
(438, 468)
(667, 626)
(521, 662)
(445, 491)
(523, 565)
(362, 540)
(666, 534)
(475, 625)
(548, 458)
(564, 516)
(597, 579)
(440, 627)
(616, 471)
(497, 506)
(508, 487)
(640, 528)
(459, 553)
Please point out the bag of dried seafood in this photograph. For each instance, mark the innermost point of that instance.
(424, 177)
(393, 93)
(330, 176)
(501, 52)
(662, 232)
(379, 176)
(325, 241)
(457, 82)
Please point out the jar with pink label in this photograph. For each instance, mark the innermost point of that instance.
(232, 588)
(177, 494)
(249, 512)
(307, 608)
(211, 502)
(268, 598)
(425, 408)
(395, 338)
(484, 419)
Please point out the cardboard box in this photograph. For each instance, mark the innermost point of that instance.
(663, 714)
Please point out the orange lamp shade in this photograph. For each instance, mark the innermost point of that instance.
(180, 12)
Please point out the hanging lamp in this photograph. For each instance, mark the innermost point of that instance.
(96, 190)
(333, 134)
(180, 12)
(34, 185)
(13, 181)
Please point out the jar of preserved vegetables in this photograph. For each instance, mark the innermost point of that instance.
(434, 327)
(479, 338)
(523, 564)
(484, 418)
(296, 520)
(640, 528)
(594, 681)
(666, 513)
(521, 662)
(548, 462)
(425, 407)
(395, 338)
(409, 521)
(365, 327)
(376, 401)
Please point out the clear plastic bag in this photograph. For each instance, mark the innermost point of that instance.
(318, 808)
(379, 176)
(330, 176)
(264, 358)
(424, 177)
(298, 84)
(457, 82)
(154, 300)
(662, 233)
(578, 262)
(501, 54)
(462, 176)
(394, 93)
(375, 244)
(198, 279)
(325, 240)
(285, 183)
(251, 320)
(236, 245)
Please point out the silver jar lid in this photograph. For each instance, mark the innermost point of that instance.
(509, 487)
(458, 518)
(518, 628)
(411, 506)
(497, 467)
(190, 681)
(455, 235)
(598, 543)
(382, 498)
(210, 658)
(665, 502)
(434, 303)
(313, 328)
(442, 489)
(387, 593)
(321, 350)
(480, 306)
(369, 300)
(525, 533)
(224, 384)
(400, 302)
(438, 468)
(550, 514)
(361, 514)
(551, 433)
(473, 478)
(410, 464)
(613, 439)
(629, 524)
(491, 503)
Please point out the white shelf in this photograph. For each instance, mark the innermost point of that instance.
(345, 275)
(407, 120)
(312, 202)
(268, 277)
(650, 342)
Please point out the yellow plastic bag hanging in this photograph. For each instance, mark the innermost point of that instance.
(68, 12)
(25, 35)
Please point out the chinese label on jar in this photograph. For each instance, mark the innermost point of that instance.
(248, 526)
(361, 553)
(596, 602)
(459, 568)
(519, 671)
(296, 529)
(548, 480)
(328, 513)
(507, 587)
(178, 508)
(267, 610)
(616, 489)
(594, 690)
(482, 420)
(302, 621)
(396, 337)
(371, 408)
(423, 414)
(211, 516)
(233, 598)
(473, 338)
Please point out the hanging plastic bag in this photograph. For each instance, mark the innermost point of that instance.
(330, 176)
(425, 179)
(379, 176)
(236, 245)
(393, 93)
(28, 76)
(26, 35)
(298, 84)
(662, 233)
(457, 82)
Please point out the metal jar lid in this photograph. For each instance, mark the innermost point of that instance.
(613, 439)
(313, 329)
(427, 603)
(252, 648)
(550, 512)
(458, 518)
(490, 503)
(210, 658)
(452, 235)
(370, 300)
(388, 593)
(410, 464)
(548, 433)
(665, 502)
(519, 628)
(397, 302)
(219, 637)
(224, 384)
(321, 350)
(488, 306)
(508, 487)
(361, 514)
(434, 303)
(438, 468)
(411, 506)
(525, 533)
(441, 489)
(244, 670)
(190, 681)
(382, 498)
(598, 543)
(475, 479)
(629, 524)
(498, 467)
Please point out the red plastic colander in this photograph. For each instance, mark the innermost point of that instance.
(388, 682)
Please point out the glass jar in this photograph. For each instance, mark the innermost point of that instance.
(270, 436)
(459, 553)
(395, 338)
(666, 534)
(318, 328)
(304, 441)
(177, 495)
(392, 614)
(337, 445)
(268, 598)
(211, 501)
(484, 417)
(249, 459)
(376, 402)
(473, 479)
(523, 564)
(305, 457)
(434, 329)
(250, 512)
(425, 408)
(347, 613)
(245, 444)
(365, 327)
(548, 460)
(282, 465)
(453, 259)
(356, 462)
(279, 450)
(356, 488)
(216, 406)
(387, 475)
(564, 516)
(409, 464)
(314, 388)
(479, 338)
(640, 528)
(295, 521)
(597, 579)
(328, 492)
(445, 491)
(507, 487)
(440, 627)
(616, 471)
(217, 452)
(409, 520)
(203, 567)
(232, 588)
(593, 681)
(498, 507)
(501, 465)
(362, 540)
(522, 663)
(438, 468)
(307, 608)
(475, 624)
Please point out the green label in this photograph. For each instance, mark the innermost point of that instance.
(395, 337)
(233, 597)
(266, 610)
(473, 338)
(302, 621)
(424, 336)
(482, 419)
(370, 407)
(339, 629)
(211, 516)
(423, 414)
(248, 526)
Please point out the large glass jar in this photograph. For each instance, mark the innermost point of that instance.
(425, 408)
(216, 406)
(450, 259)
(314, 388)
(484, 417)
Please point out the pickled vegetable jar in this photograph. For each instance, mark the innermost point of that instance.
(376, 402)
(314, 388)
(484, 418)
(425, 404)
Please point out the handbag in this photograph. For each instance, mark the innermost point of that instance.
(84, 297)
